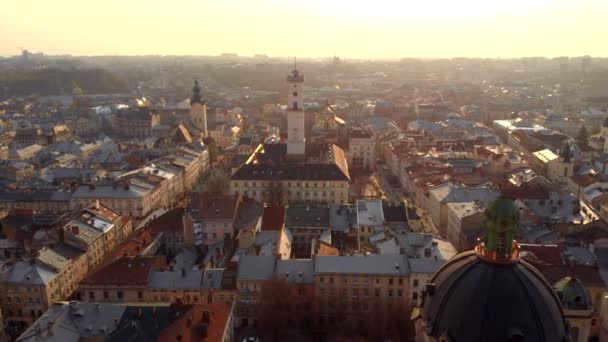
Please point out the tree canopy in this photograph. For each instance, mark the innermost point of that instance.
(60, 81)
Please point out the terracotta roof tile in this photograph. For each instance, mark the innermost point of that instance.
(203, 207)
(191, 322)
(583, 180)
(125, 271)
(133, 246)
(550, 254)
(273, 218)
(169, 221)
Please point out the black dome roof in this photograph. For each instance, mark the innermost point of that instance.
(471, 299)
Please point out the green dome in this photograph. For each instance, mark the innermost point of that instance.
(573, 294)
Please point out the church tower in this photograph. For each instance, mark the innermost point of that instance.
(296, 140)
(198, 110)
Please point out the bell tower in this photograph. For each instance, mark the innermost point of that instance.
(198, 110)
(296, 139)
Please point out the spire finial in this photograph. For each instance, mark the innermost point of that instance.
(295, 60)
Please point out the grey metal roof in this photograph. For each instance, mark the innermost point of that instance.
(49, 174)
(33, 196)
(296, 270)
(212, 278)
(253, 267)
(373, 264)
(369, 212)
(76, 321)
(186, 259)
(176, 280)
(307, 216)
(455, 193)
(342, 217)
(109, 191)
(29, 273)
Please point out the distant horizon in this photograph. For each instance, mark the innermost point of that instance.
(299, 57)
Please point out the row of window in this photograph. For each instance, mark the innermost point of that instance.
(297, 193)
(214, 236)
(364, 292)
(365, 281)
(204, 225)
(295, 185)
(17, 300)
(19, 313)
(22, 289)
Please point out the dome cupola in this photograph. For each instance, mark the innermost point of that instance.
(490, 294)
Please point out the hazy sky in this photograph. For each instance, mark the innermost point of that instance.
(348, 28)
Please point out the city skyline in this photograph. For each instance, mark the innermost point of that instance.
(353, 29)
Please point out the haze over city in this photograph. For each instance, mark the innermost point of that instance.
(303, 171)
(313, 28)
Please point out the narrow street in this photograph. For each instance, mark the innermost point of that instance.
(397, 195)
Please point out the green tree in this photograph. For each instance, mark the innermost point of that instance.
(273, 308)
(216, 183)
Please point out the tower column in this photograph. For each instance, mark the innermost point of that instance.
(296, 135)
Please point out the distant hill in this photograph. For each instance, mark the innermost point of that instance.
(59, 82)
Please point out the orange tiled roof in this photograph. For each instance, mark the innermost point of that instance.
(190, 322)
(125, 271)
(273, 217)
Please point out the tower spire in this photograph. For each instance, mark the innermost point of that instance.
(197, 97)
(501, 223)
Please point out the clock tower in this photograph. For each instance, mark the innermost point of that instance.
(296, 140)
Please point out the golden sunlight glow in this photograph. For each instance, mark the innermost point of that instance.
(349, 28)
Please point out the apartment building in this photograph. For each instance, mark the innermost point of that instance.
(360, 285)
(361, 147)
